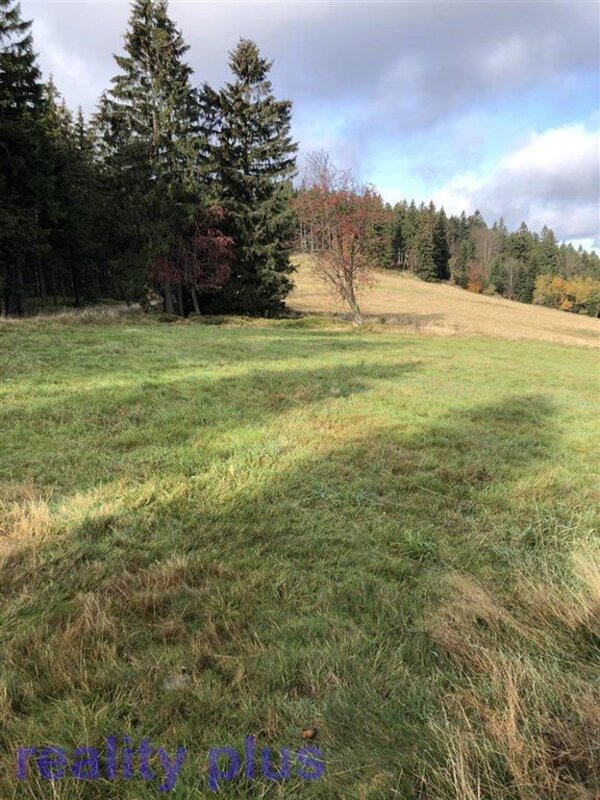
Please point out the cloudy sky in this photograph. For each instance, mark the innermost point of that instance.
(489, 105)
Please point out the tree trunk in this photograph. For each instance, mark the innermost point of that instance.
(75, 282)
(42, 279)
(168, 299)
(353, 303)
(53, 282)
(21, 300)
(195, 301)
(180, 300)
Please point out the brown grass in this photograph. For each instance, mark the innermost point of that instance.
(511, 716)
(408, 302)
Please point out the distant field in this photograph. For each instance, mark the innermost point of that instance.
(447, 310)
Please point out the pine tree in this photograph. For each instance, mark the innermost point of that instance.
(441, 249)
(502, 237)
(466, 254)
(547, 252)
(22, 185)
(254, 163)
(57, 210)
(520, 244)
(425, 267)
(149, 142)
(476, 220)
(84, 209)
(409, 233)
(398, 242)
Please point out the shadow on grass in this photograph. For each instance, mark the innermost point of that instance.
(293, 591)
(152, 413)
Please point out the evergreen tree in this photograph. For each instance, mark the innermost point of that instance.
(425, 266)
(497, 276)
(476, 220)
(398, 243)
(525, 282)
(22, 175)
(521, 247)
(547, 252)
(502, 239)
(520, 244)
(441, 253)
(149, 143)
(63, 203)
(254, 162)
(86, 194)
(409, 233)
(466, 254)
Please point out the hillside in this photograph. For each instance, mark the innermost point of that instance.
(447, 310)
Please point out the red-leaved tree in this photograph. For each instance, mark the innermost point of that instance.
(206, 254)
(344, 218)
(200, 261)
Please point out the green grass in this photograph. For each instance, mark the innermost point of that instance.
(389, 537)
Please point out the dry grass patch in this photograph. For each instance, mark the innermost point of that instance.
(523, 722)
(24, 513)
(406, 302)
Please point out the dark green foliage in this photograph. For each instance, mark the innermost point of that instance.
(22, 175)
(466, 254)
(525, 283)
(441, 249)
(425, 266)
(149, 143)
(72, 207)
(497, 278)
(254, 161)
(547, 252)
(398, 236)
(520, 244)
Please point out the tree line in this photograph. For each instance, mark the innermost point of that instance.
(185, 194)
(180, 189)
(491, 259)
(519, 265)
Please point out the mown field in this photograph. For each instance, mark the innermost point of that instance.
(214, 531)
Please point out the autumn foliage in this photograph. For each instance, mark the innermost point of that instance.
(201, 258)
(581, 295)
(476, 277)
(342, 218)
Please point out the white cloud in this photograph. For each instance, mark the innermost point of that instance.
(551, 179)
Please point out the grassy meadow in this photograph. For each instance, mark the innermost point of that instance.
(386, 535)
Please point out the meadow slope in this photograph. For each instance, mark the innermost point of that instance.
(389, 536)
(408, 302)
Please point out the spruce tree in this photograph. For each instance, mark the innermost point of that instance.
(441, 249)
(254, 158)
(466, 254)
(398, 243)
(547, 252)
(22, 176)
(61, 260)
(425, 267)
(149, 142)
(409, 232)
